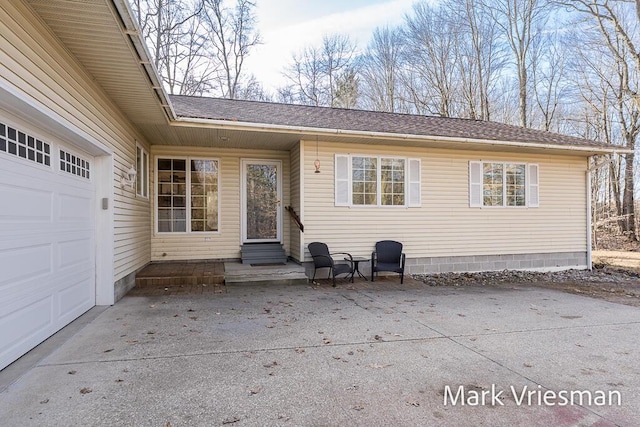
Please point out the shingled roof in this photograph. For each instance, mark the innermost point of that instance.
(303, 116)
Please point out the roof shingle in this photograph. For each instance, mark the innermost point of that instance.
(303, 116)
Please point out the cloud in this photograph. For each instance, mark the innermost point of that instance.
(280, 43)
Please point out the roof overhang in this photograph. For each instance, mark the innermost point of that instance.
(104, 37)
(234, 134)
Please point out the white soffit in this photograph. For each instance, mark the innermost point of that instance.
(93, 32)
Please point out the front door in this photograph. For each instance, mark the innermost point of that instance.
(261, 201)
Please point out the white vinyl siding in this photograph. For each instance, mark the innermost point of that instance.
(444, 224)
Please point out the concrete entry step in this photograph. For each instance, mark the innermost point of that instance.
(236, 273)
(263, 253)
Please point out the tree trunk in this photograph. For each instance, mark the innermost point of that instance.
(628, 199)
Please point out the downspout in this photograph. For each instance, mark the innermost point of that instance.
(301, 192)
(588, 178)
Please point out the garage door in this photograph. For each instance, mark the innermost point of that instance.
(47, 243)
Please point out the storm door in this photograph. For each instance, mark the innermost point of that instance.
(261, 201)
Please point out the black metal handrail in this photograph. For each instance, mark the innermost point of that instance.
(295, 217)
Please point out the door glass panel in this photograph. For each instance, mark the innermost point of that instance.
(262, 201)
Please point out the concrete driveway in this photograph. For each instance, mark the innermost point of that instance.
(367, 354)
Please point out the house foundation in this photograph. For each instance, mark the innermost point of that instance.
(552, 261)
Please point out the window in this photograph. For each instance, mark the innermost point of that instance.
(74, 165)
(364, 175)
(377, 181)
(14, 141)
(503, 184)
(187, 195)
(392, 182)
(142, 169)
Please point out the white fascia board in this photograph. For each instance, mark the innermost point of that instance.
(249, 126)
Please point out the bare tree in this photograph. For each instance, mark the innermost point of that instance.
(286, 95)
(315, 72)
(306, 78)
(549, 80)
(380, 69)
(347, 90)
(171, 29)
(482, 57)
(337, 56)
(614, 60)
(521, 22)
(199, 46)
(231, 33)
(431, 59)
(253, 90)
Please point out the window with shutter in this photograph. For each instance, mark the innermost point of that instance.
(362, 180)
(499, 184)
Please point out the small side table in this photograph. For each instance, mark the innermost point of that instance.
(356, 267)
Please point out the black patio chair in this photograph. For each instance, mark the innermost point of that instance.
(388, 256)
(323, 259)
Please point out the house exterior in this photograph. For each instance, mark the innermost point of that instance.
(101, 173)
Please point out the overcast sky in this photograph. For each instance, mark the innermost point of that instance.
(286, 26)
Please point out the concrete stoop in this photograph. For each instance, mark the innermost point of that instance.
(236, 273)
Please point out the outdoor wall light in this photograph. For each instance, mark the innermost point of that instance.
(129, 179)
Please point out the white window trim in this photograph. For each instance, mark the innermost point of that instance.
(144, 174)
(188, 196)
(476, 185)
(340, 181)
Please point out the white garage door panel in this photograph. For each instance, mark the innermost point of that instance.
(75, 208)
(20, 204)
(75, 253)
(20, 329)
(47, 250)
(74, 300)
(24, 263)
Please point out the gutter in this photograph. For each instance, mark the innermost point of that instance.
(131, 30)
(312, 131)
